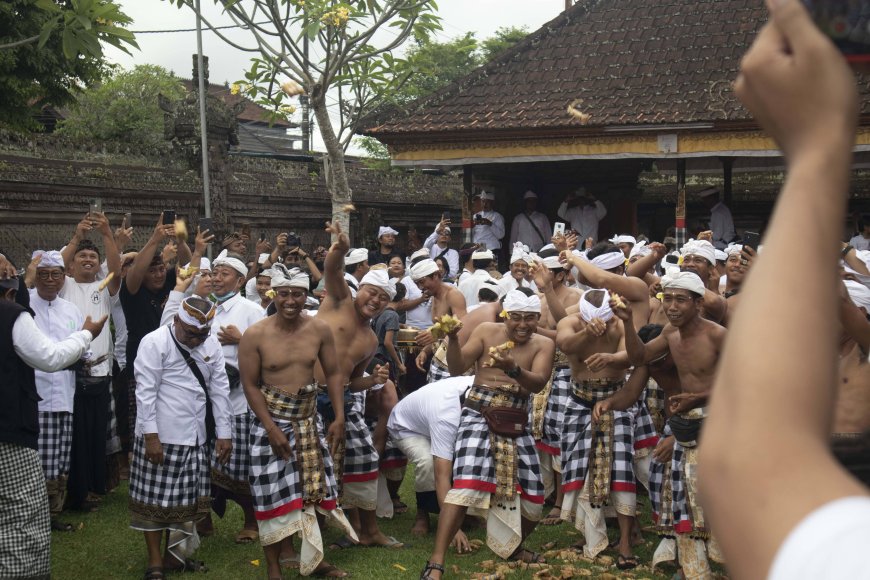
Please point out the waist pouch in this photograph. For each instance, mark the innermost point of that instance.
(92, 386)
(234, 376)
(685, 430)
(505, 421)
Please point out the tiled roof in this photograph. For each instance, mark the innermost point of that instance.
(631, 62)
(252, 111)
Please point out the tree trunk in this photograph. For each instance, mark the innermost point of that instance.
(336, 177)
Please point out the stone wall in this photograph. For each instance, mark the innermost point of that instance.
(46, 184)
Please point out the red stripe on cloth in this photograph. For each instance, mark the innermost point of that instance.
(572, 485)
(684, 527)
(546, 448)
(474, 484)
(537, 499)
(328, 505)
(358, 477)
(393, 463)
(622, 486)
(294, 505)
(648, 442)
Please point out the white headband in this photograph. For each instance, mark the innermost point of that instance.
(701, 248)
(609, 260)
(734, 249)
(482, 255)
(684, 280)
(193, 316)
(486, 195)
(284, 278)
(421, 253)
(520, 253)
(552, 262)
(234, 263)
(356, 256)
(386, 230)
(423, 268)
(516, 301)
(588, 311)
(623, 239)
(380, 279)
(50, 259)
(640, 249)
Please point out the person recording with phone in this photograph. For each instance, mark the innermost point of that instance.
(438, 244)
(488, 224)
(288, 250)
(583, 212)
(531, 227)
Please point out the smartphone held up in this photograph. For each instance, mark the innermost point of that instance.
(846, 23)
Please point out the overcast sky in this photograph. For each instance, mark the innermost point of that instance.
(173, 50)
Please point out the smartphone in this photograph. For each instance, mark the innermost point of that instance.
(96, 206)
(168, 217)
(445, 216)
(846, 23)
(262, 236)
(206, 224)
(128, 219)
(558, 229)
(672, 259)
(751, 239)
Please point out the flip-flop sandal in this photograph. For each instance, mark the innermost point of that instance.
(343, 543)
(424, 575)
(399, 507)
(289, 562)
(247, 536)
(154, 573)
(58, 526)
(531, 557)
(626, 562)
(392, 544)
(552, 520)
(329, 571)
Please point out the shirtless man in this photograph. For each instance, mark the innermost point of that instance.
(587, 446)
(504, 379)
(694, 343)
(446, 299)
(281, 391)
(556, 295)
(356, 344)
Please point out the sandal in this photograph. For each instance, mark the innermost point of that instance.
(626, 562)
(343, 543)
(247, 536)
(59, 526)
(289, 561)
(552, 520)
(424, 575)
(522, 554)
(330, 571)
(154, 573)
(399, 507)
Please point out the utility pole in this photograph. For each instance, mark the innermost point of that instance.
(202, 122)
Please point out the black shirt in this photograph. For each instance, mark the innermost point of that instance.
(376, 257)
(142, 312)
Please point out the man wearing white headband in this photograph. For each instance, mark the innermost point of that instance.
(279, 384)
(519, 270)
(251, 285)
(386, 247)
(446, 299)
(470, 285)
(233, 315)
(531, 227)
(511, 363)
(350, 319)
(694, 343)
(604, 267)
(438, 244)
(597, 467)
(356, 265)
(488, 223)
(736, 266)
(699, 256)
(182, 396)
(583, 212)
(625, 243)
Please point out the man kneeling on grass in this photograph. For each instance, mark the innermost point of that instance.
(180, 377)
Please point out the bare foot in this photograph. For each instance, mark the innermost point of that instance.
(380, 540)
(421, 524)
(327, 570)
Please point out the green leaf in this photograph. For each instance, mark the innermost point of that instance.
(46, 31)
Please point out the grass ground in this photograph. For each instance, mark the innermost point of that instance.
(104, 547)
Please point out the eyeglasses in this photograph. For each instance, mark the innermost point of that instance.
(46, 275)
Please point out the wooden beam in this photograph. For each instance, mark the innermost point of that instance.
(681, 203)
(467, 201)
(727, 171)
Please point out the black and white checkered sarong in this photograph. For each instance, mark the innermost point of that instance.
(576, 448)
(24, 517)
(55, 443)
(360, 457)
(177, 491)
(234, 476)
(474, 464)
(645, 435)
(437, 371)
(660, 491)
(554, 414)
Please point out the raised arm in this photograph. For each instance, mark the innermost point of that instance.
(460, 359)
(113, 256)
(644, 264)
(333, 266)
(544, 281)
(632, 288)
(80, 233)
(136, 273)
(572, 334)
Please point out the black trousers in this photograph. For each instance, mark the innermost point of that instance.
(90, 422)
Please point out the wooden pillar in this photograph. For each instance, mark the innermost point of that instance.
(727, 170)
(467, 200)
(681, 203)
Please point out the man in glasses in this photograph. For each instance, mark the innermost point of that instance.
(180, 381)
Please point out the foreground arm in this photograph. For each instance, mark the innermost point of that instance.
(784, 396)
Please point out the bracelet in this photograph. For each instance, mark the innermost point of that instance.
(514, 372)
(846, 250)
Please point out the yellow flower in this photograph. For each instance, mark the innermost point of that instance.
(235, 88)
(680, 261)
(271, 294)
(287, 109)
(503, 314)
(660, 296)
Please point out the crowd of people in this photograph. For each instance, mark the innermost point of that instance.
(300, 385)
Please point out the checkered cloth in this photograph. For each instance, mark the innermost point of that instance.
(660, 492)
(234, 475)
(688, 517)
(577, 445)
(437, 371)
(474, 464)
(554, 414)
(24, 519)
(177, 491)
(113, 440)
(393, 462)
(645, 435)
(360, 457)
(654, 397)
(55, 443)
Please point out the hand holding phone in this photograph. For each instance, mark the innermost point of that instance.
(206, 225)
(95, 206)
(168, 217)
(751, 240)
(558, 229)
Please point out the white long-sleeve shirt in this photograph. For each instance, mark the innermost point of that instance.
(522, 230)
(489, 235)
(241, 313)
(509, 283)
(583, 219)
(722, 225)
(42, 353)
(57, 320)
(451, 255)
(169, 399)
(472, 284)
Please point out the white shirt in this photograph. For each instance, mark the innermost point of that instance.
(240, 313)
(508, 283)
(433, 412)
(451, 255)
(470, 286)
(828, 543)
(583, 219)
(722, 225)
(522, 230)
(57, 320)
(119, 323)
(96, 303)
(352, 284)
(463, 276)
(169, 399)
(420, 316)
(251, 291)
(42, 353)
(860, 243)
(489, 235)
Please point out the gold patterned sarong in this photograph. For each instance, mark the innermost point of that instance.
(589, 392)
(301, 410)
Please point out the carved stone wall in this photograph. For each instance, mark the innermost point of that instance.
(46, 184)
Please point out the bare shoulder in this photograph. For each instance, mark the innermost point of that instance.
(258, 328)
(544, 344)
(716, 331)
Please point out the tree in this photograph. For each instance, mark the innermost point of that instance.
(50, 48)
(343, 61)
(124, 107)
(503, 39)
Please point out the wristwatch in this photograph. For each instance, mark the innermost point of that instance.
(846, 249)
(514, 372)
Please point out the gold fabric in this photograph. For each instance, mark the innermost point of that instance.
(693, 503)
(655, 403)
(591, 391)
(300, 409)
(601, 462)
